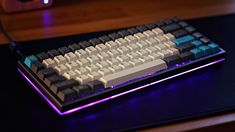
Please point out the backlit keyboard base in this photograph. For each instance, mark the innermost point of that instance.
(77, 76)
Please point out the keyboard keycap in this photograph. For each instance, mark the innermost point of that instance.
(53, 53)
(183, 40)
(185, 47)
(186, 56)
(63, 85)
(197, 53)
(205, 49)
(53, 79)
(63, 50)
(84, 44)
(105, 38)
(95, 85)
(30, 60)
(197, 35)
(46, 73)
(133, 72)
(95, 41)
(42, 56)
(124, 33)
(67, 95)
(172, 60)
(114, 36)
(190, 29)
(214, 47)
(74, 47)
(170, 28)
(197, 43)
(37, 66)
(179, 33)
(205, 40)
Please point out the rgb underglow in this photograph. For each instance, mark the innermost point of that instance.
(114, 96)
(45, 1)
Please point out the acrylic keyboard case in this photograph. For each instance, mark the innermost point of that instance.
(175, 70)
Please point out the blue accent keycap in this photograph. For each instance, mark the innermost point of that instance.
(183, 40)
(214, 47)
(197, 53)
(30, 60)
(205, 49)
(197, 43)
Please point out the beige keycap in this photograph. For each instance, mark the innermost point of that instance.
(81, 53)
(70, 56)
(149, 34)
(134, 72)
(83, 79)
(103, 64)
(155, 56)
(93, 59)
(60, 59)
(142, 52)
(135, 62)
(72, 65)
(95, 75)
(83, 62)
(103, 56)
(162, 39)
(125, 65)
(133, 55)
(82, 71)
(123, 50)
(157, 31)
(92, 68)
(170, 44)
(142, 44)
(101, 48)
(152, 41)
(113, 61)
(140, 36)
(91, 50)
(169, 36)
(105, 71)
(115, 68)
(161, 47)
(151, 50)
(49, 63)
(111, 45)
(113, 53)
(131, 39)
(70, 75)
(123, 58)
(133, 47)
(173, 51)
(61, 69)
(121, 42)
(164, 54)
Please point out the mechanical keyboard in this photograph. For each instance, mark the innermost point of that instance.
(89, 72)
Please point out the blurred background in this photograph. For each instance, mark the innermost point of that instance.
(67, 17)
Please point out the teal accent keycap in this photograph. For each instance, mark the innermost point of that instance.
(197, 53)
(205, 49)
(30, 60)
(183, 40)
(214, 47)
(197, 43)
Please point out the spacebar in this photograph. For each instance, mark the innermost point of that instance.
(134, 72)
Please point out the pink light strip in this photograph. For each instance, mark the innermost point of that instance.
(114, 96)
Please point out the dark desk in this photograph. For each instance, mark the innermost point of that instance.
(205, 92)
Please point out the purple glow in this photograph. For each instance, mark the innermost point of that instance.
(114, 96)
